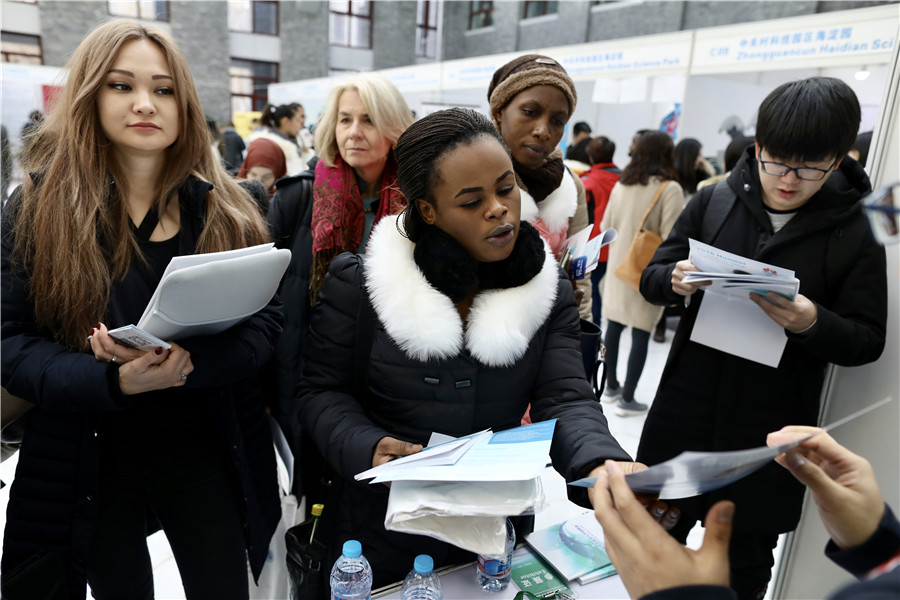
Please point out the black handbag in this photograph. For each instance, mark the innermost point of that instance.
(592, 353)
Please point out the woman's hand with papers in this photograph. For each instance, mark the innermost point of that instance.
(106, 349)
(156, 370)
(842, 484)
(795, 316)
(647, 558)
(389, 448)
(682, 267)
(667, 516)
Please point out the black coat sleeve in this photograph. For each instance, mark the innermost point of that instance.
(656, 280)
(581, 438)
(329, 411)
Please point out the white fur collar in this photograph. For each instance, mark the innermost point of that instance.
(424, 322)
(556, 209)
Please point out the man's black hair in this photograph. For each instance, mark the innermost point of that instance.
(808, 120)
(601, 150)
(581, 127)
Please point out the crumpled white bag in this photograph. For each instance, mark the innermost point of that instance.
(468, 514)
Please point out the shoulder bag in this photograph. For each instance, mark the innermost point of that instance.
(642, 248)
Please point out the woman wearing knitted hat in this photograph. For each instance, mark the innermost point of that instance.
(531, 99)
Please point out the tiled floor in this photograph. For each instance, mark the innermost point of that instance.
(627, 430)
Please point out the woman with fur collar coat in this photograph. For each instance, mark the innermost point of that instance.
(472, 321)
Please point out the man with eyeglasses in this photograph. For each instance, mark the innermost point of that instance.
(793, 200)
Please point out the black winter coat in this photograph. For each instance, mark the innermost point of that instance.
(53, 498)
(425, 374)
(708, 400)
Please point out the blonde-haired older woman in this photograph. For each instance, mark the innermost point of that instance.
(356, 176)
(123, 180)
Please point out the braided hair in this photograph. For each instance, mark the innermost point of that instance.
(422, 146)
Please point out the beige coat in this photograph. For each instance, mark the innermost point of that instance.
(627, 204)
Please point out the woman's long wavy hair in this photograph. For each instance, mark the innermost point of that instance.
(72, 226)
(654, 155)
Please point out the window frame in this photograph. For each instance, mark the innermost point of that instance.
(542, 4)
(484, 12)
(350, 15)
(255, 80)
(109, 7)
(4, 55)
(426, 29)
(253, 26)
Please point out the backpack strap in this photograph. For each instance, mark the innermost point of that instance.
(717, 211)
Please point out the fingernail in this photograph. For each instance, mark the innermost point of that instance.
(794, 459)
(726, 514)
(98, 324)
(158, 350)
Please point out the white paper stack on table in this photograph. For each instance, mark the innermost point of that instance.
(205, 294)
(728, 320)
(462, 490)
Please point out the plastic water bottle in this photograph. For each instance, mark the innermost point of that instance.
(494, 570)
(422, 583)
(351, 576)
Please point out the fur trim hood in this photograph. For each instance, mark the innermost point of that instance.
(556, 209)
(425, 324)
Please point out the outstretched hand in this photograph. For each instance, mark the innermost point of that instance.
(841, 483)
(667, 516)
(682, 268)
(647, 558)
(794, 315)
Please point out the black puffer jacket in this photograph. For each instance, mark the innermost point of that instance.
(840, 267)
(53, 499)
(425, 374)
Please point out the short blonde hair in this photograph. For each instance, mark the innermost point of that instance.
(386, 107)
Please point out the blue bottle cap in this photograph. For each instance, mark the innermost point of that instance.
(352, 549)
(423, 564)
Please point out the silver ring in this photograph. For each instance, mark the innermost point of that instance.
(183, 376)
(114, 358)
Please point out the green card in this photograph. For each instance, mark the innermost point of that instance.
(536, 577)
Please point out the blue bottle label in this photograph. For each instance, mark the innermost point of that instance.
(493, 567)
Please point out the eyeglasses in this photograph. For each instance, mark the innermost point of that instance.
(883, 211)
(805, 173)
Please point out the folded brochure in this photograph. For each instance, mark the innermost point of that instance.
(574, 548)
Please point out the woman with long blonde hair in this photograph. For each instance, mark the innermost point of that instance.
(123, 441)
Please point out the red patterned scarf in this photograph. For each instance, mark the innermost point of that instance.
(338, 220)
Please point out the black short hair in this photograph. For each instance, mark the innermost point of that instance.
(812, 119)
(735, 149)
(581, 127)
(601, 150)
(423, 145)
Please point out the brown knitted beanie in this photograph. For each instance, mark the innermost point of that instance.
(528, 71)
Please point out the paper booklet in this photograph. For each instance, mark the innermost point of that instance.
(582, 255)
(574, 548)
(728, 320)
(205, 294)
(692, 473)
(516, 454)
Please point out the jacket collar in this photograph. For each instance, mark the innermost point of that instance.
(425, 324)
(556, 209)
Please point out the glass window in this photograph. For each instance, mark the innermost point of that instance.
(426, 27)
(21, 48)
(148, 10)
(250, 81)
(481, 14)
(539, 9)
(253, 16)
(350, 24)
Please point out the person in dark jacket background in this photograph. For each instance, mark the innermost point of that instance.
(473, 319)
(121, 441)
(795, 204)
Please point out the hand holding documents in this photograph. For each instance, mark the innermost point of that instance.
(693, 473)
(582, 255)
(204, 294)
(728, 320)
